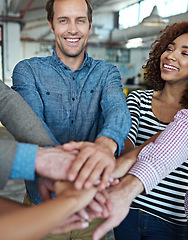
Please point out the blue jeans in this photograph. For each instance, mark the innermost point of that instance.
(139, 225)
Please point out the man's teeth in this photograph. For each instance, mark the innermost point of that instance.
(170, 67)
(73, 40)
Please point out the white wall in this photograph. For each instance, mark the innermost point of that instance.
(35, 49)
(11, 42)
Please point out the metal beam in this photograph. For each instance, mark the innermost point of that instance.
(27, 8)
(14, 6)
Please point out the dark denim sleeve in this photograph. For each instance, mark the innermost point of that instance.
(114, 109)
(24, 83)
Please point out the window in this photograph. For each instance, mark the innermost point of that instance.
(134, 14)
(126, 18)
(117, 55)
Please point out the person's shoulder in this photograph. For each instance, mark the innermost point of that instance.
(101, 62)
(183, 114)
(141, 92)
(140, 95)
(35, 60)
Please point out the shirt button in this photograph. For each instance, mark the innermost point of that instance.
(92, 91)
(73, 78)
(73, 99)
(72, 121)
(47, 93)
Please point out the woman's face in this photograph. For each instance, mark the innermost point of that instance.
(174, 61)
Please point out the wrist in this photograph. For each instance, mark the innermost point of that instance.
(107, 143)
(132, 185)
(38, 163)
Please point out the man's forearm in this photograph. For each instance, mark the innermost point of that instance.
(131, 186)
(107, 142)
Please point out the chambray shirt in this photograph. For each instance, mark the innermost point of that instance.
(74, 106)
(24, 162)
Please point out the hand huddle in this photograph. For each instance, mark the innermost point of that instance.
(88, 187)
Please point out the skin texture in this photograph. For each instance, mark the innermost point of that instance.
(46, 216)
(121, 197)
(54, 162)
(98, 158)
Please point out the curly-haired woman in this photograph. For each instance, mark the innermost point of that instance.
(160, 214)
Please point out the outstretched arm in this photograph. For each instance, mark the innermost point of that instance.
(94, 161)
(155, 161)
(16, 219)
(129, 157)
(20, 120)
(121, 197)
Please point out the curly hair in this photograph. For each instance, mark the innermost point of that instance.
(153, 74)
(50, 11)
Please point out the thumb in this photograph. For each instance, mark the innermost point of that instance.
(44, 193)
(71, 146)
(102, 229)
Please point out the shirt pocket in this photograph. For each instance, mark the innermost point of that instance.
(56, 108)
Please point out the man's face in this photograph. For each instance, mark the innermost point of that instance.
(71, 27)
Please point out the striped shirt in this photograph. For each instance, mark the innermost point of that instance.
(166, 200)
(169, 150)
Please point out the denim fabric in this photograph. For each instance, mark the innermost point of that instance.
(139, 225)
(24, 169)
(75, 106)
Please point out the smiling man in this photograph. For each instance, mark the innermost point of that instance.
(77, 99)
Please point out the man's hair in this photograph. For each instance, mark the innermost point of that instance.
(50, 11)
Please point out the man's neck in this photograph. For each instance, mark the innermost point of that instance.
(73, 63)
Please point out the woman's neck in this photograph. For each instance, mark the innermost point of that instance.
(171, 94)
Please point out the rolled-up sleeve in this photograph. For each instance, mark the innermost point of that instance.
(24, 162)
(170, 149)
(24, 83)
(117, 118)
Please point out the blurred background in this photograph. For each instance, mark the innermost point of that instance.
(123, 31)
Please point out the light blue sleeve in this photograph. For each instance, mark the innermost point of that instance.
(115, 111)
(24, 162)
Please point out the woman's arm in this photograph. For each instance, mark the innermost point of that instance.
(19, 222)
(129, 157)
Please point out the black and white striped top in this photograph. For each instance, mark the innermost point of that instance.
(166, 200)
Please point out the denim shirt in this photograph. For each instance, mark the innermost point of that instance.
(75, 106)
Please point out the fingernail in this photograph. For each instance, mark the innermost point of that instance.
(85, 224)
(86, 217)
(71, 177)
(97, 182)
(78, 185)
(102, 187)
(98, 209)
(111, 179)
(87, 185)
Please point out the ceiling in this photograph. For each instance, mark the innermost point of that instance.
(32, 16)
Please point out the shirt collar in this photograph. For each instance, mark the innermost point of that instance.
(87, 60)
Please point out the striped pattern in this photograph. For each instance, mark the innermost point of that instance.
(167, 199)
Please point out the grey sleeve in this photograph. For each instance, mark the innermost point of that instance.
(7, 153)
(20, 120)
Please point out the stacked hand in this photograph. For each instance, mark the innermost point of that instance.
(86, 208)
(94, 161)
(89, 167)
